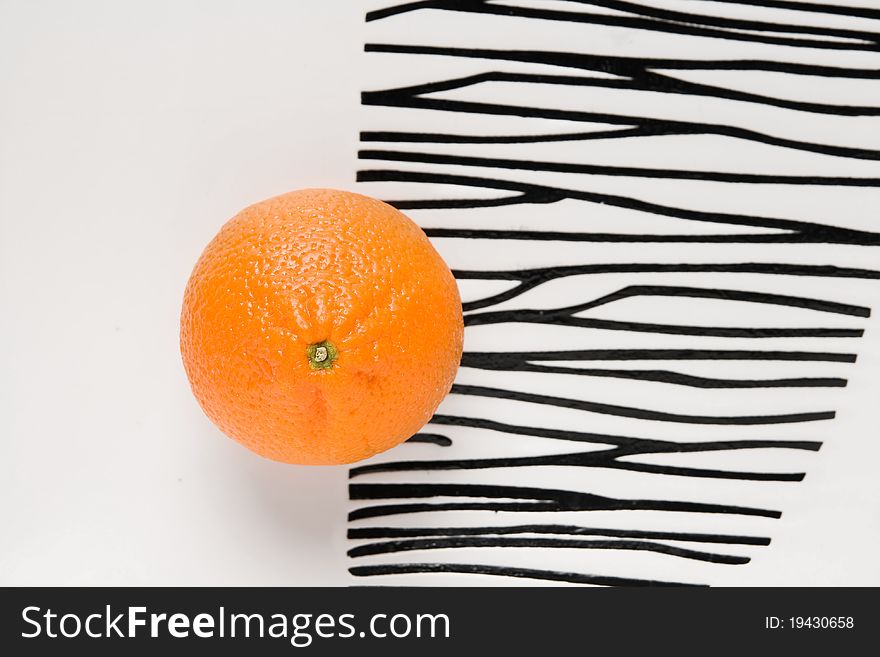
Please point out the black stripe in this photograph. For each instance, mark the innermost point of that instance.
(500, 571)
(529, 279)
(430, 438)
(391, 547)
(614, 171)
(402, 532)
(487, 359)
(795, 231)
(542, 499)
(653, 19)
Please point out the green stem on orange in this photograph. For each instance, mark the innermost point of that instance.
(322, 355)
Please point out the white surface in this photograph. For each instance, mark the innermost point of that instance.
(830, 524)
(130, 132)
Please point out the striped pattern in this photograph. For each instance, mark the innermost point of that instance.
(663, 219)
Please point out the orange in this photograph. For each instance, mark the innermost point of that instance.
(320, 327)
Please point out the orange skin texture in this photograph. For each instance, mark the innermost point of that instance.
(306, 267)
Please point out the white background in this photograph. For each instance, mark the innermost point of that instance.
(128, 133)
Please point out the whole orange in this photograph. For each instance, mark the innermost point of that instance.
(320, 327)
